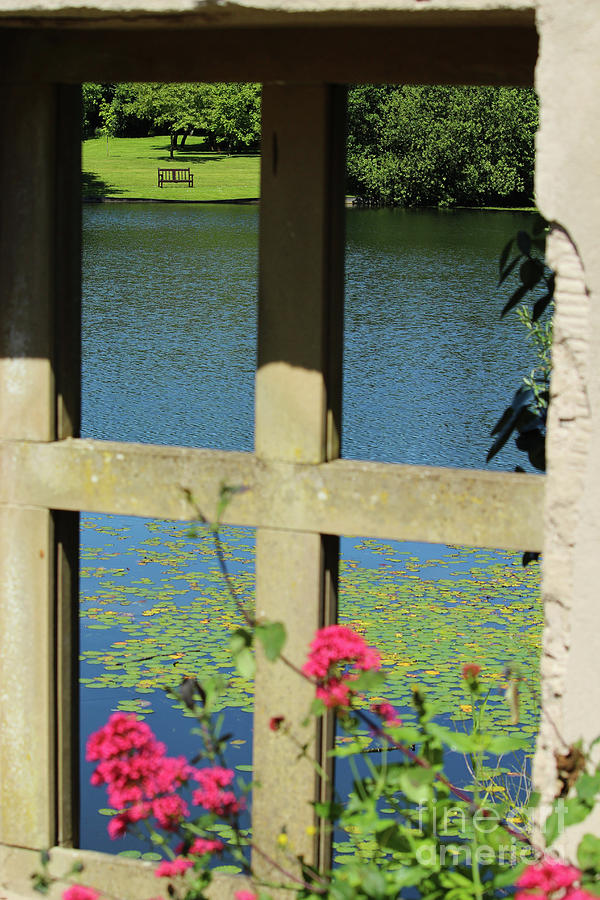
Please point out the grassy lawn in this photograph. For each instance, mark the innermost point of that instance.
(130, 170)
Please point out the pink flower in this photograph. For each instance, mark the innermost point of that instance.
(141, 780)
(169, 811)
(470, 671)
(211, 795)
(171, 868)
(546, 878)
(245, 895)
(335, 654)
(78, 892)
(117, 828)
(276, 722)
(387, 713)
(202, 845)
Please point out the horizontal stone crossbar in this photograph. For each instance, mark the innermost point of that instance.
(381, 500)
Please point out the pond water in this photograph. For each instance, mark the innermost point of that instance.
(169, 323)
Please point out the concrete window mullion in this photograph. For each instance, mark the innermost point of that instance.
(39, 399)
(298, 408)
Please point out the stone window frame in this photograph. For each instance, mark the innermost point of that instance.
(300, 495)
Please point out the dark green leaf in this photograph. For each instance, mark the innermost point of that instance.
(539, 225)
(516, 297)
(541, 305)
(239, 640)
(504, 275)
(504, 255)
(531, 272)
(524, 242)
(393, 838)
(509, 876)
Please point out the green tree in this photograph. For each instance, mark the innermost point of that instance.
(91, 96)
(227, 115)
(174, 108)
(441, 146)
(233, 116)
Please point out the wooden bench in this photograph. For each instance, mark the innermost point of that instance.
(176, 176)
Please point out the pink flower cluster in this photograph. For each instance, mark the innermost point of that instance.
(211, 795)
(387, 713)
(550, 879)
(204, 845)
(78, 892)
(140, 779)
(169, 868)
(470, 671)
(334, 653)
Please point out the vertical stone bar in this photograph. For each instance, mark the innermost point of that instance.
(67, 367)
(27, 163)
(568, 195)
(27, 411)
(298, 408)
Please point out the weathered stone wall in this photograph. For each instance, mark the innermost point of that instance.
(568, 195)
(458, 41)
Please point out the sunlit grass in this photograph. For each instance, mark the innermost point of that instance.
(130, 171)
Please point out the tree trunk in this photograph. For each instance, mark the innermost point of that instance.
(173, 144)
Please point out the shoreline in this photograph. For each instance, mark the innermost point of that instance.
(242, 200)
(255, 201)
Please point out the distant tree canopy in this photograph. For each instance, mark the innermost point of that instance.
(227, 116)
(407, 145)
(441, 146)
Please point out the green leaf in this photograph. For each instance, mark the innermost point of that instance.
(272, 637)
(373, 884)
(504, 743)
(239, 640)
(416, 784)
(130, 854)
(244, 663)
(408, 876)
(552, 827)
(330, 811)
(576, 811)
(369, 681)
(509, 876)
(588, 852)
(393, 838)
(455, 740)
(587, 786)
